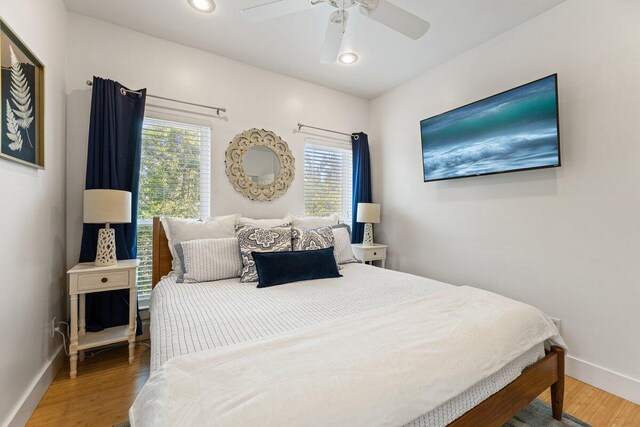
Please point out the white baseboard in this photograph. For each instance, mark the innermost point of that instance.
(621, 385)
(32, 396)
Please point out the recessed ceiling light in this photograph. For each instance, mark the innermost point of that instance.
(348, 58)
(206, 6)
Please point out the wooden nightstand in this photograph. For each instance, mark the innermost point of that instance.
(369, 254)
(85, 278)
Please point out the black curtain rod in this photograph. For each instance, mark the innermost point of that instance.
(355, 136)
(125, 91)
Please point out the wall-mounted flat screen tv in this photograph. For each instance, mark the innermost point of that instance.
(512, 131)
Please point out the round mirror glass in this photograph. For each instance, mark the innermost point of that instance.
(261, 165)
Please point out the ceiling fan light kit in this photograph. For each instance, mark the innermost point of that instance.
(381, 11)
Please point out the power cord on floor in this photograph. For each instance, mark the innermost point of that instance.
(93, 353)
(118, 345)
(64, 340)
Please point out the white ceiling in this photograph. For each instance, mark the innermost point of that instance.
(291, 44)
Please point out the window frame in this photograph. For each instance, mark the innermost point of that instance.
(188, 118)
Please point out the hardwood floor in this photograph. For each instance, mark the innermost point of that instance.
(100, 395)
(107, 385)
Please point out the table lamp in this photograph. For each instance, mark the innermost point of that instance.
(106, 207)
(369, 214)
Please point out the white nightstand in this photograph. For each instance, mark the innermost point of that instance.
(85, 278)
(365, 254)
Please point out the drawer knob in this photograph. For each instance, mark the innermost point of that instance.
(104, 280)
(375, 253)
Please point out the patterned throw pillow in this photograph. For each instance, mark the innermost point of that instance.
(254, 239)
(310, 240)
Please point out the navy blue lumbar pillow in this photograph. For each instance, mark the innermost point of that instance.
(278, 268)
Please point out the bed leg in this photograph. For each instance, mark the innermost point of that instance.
(557, 389)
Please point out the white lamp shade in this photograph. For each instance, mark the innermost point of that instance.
(107, 206)
(368, 213)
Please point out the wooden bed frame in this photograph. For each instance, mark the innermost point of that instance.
(494, 411)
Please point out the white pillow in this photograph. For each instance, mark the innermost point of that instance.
(342, 242)
(206, 260)
(265, 223)
(309, 222)
(182, 230)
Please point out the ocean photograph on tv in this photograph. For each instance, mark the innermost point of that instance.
(514, 130)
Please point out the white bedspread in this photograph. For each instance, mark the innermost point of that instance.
(386, 366)
(190, 318)
(187, 318)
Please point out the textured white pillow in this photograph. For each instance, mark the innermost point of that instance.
(182, 230)
(342, 241)
(206, 260)
(265, 223)
(310, 222)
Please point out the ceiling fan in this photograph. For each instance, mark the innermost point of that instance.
(381, 11)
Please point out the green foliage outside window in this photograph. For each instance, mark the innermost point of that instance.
(170, 180)
(170, 173)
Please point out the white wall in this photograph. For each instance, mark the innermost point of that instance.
(253, 97)
(566, 240)
(32, 225)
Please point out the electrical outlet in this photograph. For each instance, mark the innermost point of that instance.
(558, 324)
(54, 325)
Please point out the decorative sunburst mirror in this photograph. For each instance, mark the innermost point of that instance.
(259, 165)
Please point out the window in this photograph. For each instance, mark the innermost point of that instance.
(328, 172)
(174, 180)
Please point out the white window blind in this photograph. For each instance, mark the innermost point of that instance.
(175, 177)
(328, 173)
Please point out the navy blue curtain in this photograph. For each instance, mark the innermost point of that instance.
(361, 182)
(113, 162)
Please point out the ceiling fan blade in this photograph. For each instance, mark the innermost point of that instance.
(396, 18)
(333, 37)
(274, 9)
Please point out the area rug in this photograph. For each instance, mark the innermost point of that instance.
(537, 414)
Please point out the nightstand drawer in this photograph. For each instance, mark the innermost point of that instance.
(373, 254)
(96, 281)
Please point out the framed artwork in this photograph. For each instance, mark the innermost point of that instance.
(22, 119)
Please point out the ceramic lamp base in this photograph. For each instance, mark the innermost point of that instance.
(368, 235)
(106, 251)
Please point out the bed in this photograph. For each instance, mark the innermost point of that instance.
(194, 319)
